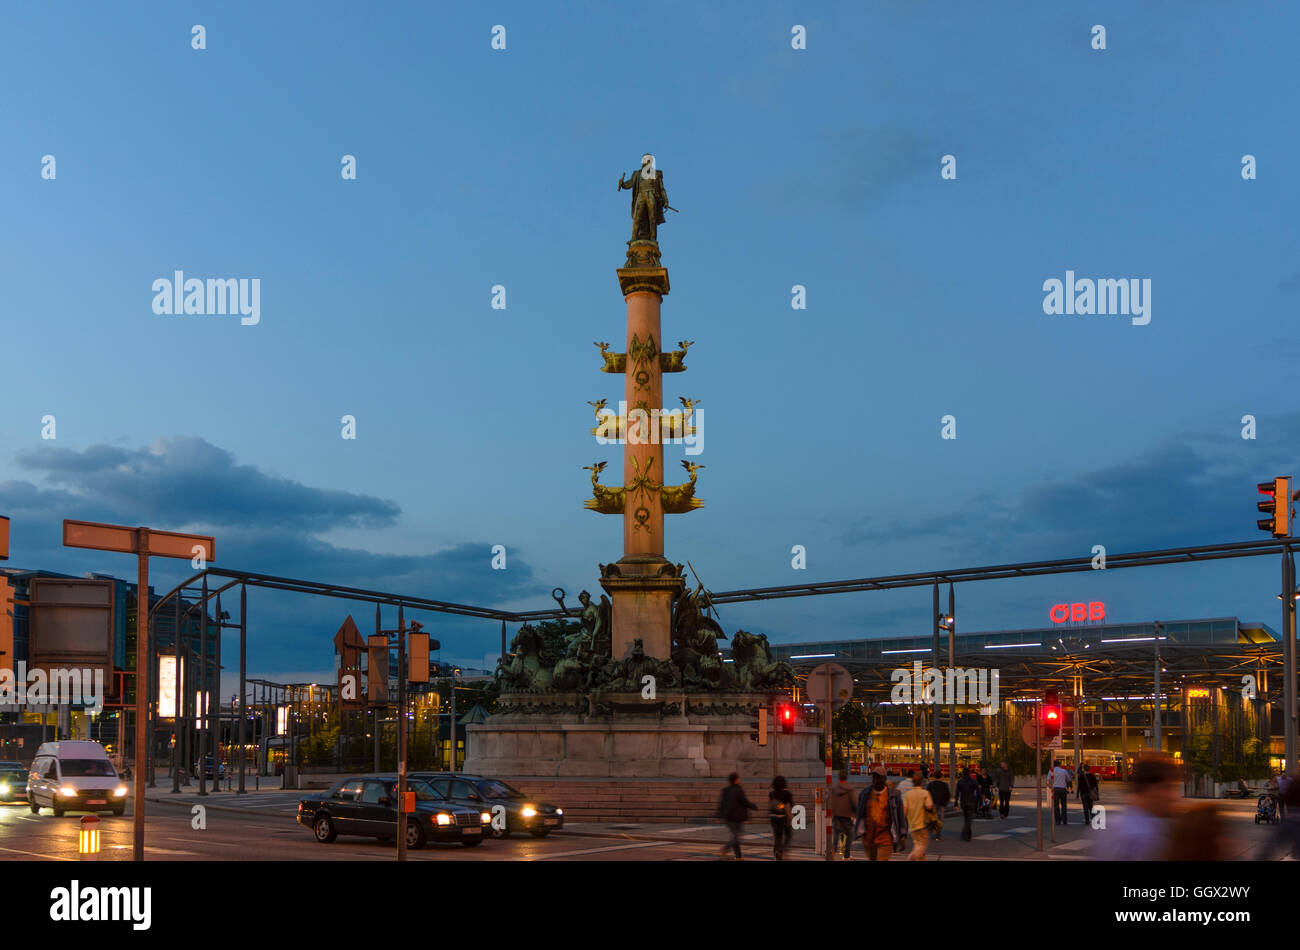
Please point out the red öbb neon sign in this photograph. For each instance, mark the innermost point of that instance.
(1078, 613)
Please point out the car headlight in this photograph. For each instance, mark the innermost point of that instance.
(4, 788)
(68, 791)
(444, 818)
(119, 791)
(559, 811)
(528, 811)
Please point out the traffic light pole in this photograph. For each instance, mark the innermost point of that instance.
(1038, 770)
(401, 734)
(952, 707)
(934, 656)
(1289, 662)
(1155, 699)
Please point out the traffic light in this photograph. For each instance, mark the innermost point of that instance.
(758, 726)
(1050, 715)
(4, 538)
(1278, 492)
(787, 720)
(417, 657)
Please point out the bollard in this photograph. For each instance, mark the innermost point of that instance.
(88, 838)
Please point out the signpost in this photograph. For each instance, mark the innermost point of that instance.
(830, 686)
(1032, 734)
(141, 542)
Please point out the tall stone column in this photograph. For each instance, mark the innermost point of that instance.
(643, 583)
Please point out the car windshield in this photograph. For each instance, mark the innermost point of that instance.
(423, 791)
(494, 789)
(9, 775)
(83, 767)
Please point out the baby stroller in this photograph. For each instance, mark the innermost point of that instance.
(1266, 810)
(984, 803)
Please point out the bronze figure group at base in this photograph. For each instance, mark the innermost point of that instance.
(564, 656)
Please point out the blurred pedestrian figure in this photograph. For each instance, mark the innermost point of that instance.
(1197, 835)
(1006, 780)
(734, 808)
(780, 806)
(1059, 779)
(877, 822)
(968, 793)
(1284, 782)
(925, 773)
(843, 812)
(938, 790)
(1142, 832)
(920, 814)
(1089, 791)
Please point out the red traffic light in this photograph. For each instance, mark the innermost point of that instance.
(787, 719)
(1051, 716)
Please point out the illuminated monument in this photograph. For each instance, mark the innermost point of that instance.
(637, 687)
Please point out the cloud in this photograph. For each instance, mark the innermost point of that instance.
(1173, 495)
(190, 481)
(263, 524)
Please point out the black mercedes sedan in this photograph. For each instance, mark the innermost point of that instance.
(366, 805)
(511, 810)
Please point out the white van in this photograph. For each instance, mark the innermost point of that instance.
(74, 775)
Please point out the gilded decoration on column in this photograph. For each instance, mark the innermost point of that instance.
(642, 354)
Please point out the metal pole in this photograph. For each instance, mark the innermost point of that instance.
(141, 693)
(178, 706)
(215, 740)
(934, 658)
(952, 706)
(830, 840)
(1038, 768)
(453, 720)
(1288, 661)
(1155, 700)
(202, 694)
(243, 682)
(401, 732)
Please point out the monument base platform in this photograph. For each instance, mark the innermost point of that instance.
(612, 735)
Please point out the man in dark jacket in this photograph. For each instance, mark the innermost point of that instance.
(843, 812)
(1089, 791)
(1006, 780)
(968, 791)
(938, 790)
(734, 808)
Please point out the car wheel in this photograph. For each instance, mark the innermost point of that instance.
(120, 811)
(501, 832)
(414, 834)
(31, 803)
(540, 832)
(472, 842)
(324, 829)
(58, 812)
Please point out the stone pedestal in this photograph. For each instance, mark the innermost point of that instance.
(642, 608)
(677, 735)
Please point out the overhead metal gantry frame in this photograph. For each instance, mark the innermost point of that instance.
(1184, 555)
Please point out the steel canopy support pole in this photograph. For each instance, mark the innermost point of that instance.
(202, 696)
(952, 706)
(141, 693)
(1155, 699)
(243, 679)
(934, 656)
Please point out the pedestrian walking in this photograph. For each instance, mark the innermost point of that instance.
(877, 822)
(780, 806)
(733, 809)
(938, 790)
(1059, 779)
(968, 792)
(1089, 791)
(843, 813)
(1143, 831)
(920, 814)
(1006, 780)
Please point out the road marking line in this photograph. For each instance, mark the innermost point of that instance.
(617, 847)
(34, 854)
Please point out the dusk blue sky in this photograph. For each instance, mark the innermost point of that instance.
(818, 167)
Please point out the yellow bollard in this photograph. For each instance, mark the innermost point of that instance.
(88, 838)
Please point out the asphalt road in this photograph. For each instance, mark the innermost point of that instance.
(262, 827)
